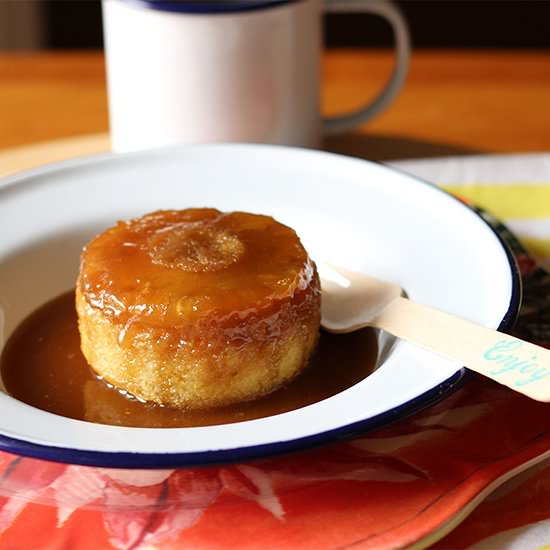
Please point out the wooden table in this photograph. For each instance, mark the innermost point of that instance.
(453, 102)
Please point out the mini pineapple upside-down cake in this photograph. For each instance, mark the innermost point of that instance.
(197, 308)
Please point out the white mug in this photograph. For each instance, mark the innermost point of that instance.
(228, 70)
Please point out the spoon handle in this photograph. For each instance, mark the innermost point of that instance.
(520, 365)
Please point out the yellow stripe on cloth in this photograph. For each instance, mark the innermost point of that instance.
(540, 248)
(511, 202)
(507, 201)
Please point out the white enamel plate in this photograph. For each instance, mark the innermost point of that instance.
(358, 214)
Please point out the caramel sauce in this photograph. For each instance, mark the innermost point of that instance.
(42, 365)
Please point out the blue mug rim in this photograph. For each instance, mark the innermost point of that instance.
(208, 6)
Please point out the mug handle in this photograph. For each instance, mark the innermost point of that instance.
(389, 11)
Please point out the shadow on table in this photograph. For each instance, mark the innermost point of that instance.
(380, 147)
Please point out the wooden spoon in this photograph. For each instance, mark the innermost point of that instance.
(351, 301)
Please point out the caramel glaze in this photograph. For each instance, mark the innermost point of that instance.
(154, 271)
(42, 365)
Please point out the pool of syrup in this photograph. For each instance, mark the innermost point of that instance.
(42, 365)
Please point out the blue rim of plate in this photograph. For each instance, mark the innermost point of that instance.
(208, 6)
(131, 460)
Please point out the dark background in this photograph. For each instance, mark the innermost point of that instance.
(433, 23)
